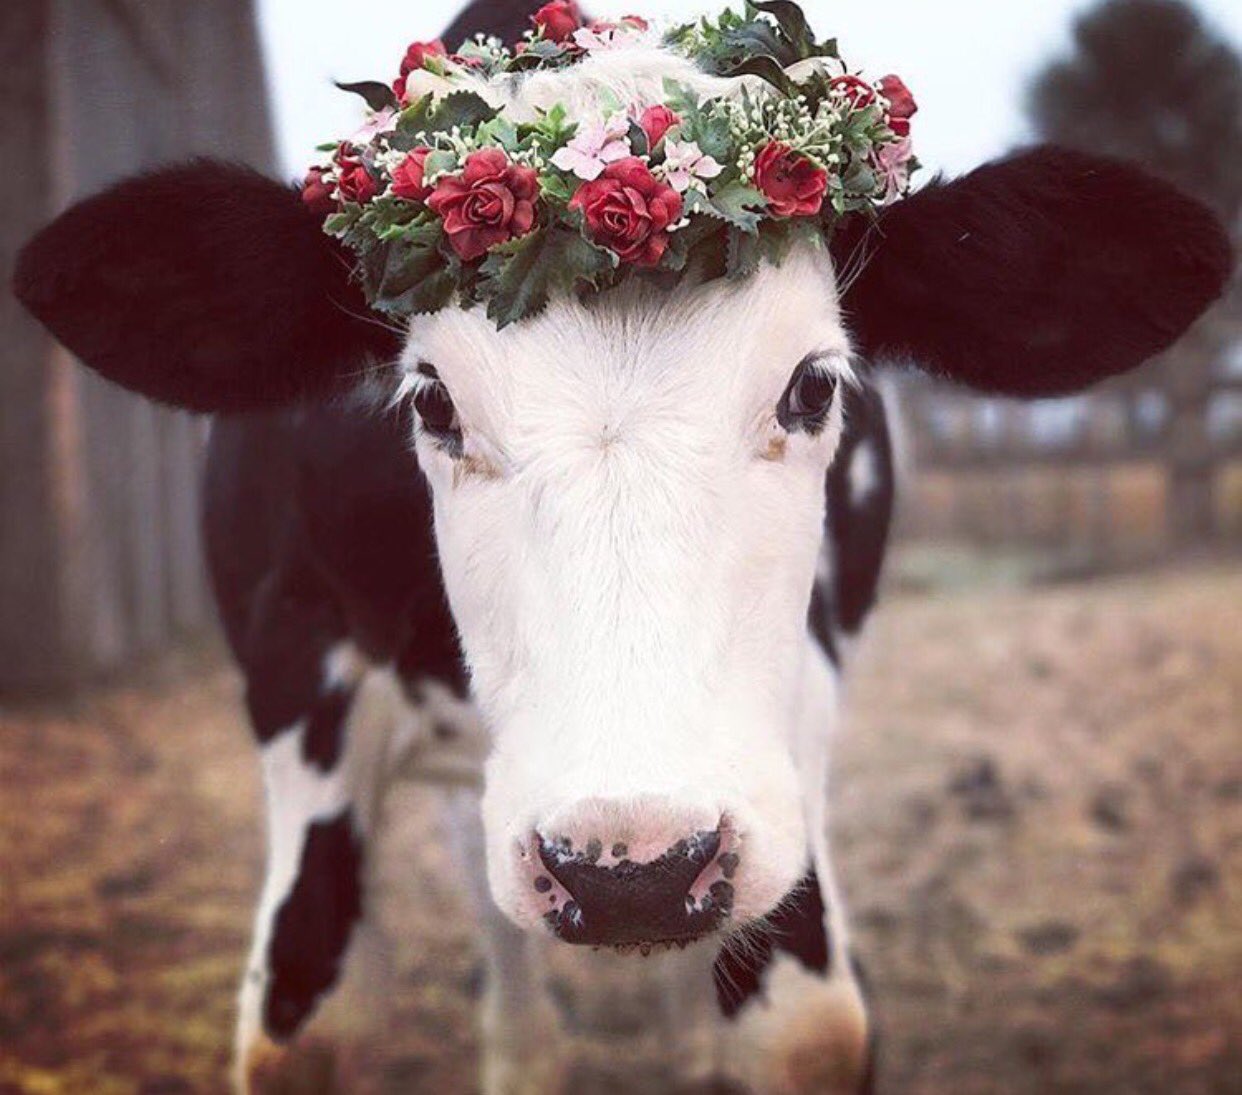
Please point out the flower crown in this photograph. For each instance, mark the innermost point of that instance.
(441, 196)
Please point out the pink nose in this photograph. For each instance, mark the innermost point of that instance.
(615, 892)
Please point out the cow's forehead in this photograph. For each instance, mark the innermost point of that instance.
(599, 84)
(724, 347)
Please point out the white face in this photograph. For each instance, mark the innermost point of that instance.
(628, 536)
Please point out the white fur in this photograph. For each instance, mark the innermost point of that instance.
(630, 539)
(629, 545)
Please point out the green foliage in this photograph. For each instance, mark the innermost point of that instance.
(519, 277)
(428, 117)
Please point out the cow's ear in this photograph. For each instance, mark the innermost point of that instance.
(507, 20)
(1034, 275)
(206, 286)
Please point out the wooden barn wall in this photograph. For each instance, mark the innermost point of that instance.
(109, 498)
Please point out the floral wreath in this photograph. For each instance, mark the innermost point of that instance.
(440, 196)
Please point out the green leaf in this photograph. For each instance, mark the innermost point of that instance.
(768, 68)
(859, 179)
(336, 224)
(429, 295)
(427, 117)
(378, 96)
(742, 255)
(735, 203)
(439, 162)
(792, 23)
(519, 277)
(556, 189)
(500, 130)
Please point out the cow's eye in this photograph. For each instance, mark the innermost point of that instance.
(435, 407)
(807, 398)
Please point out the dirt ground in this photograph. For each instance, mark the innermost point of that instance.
(1038, 814)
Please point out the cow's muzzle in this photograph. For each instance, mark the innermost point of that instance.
(600, 896)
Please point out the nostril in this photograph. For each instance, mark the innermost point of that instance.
(599, 897)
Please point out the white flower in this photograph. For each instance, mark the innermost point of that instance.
(595, 148)
(684, 162)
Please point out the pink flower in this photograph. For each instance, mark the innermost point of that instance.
(490, 202)
(892, 163)
(382, 121)
(684, 162)
(629, 211)
(593, 149)
(657, 121)
(901, 104)
(407, 177)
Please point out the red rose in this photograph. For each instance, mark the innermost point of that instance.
(655, 122)
(901, 104)
(628, 210)
(407, 177)
(637, 22)
(490, 202)
(354, 182)
(317, 194)
(416, 55)
(558, 20)
(860, 93)
(415, 58)
(793, 185)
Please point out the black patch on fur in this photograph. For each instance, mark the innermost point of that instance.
(1034, 275)
(635, 902)
(312, 927)
(858, 528)
(294, 624)
(797, 927)
(318, 529)
(819, 618)
(324, 737)
(507, 20)
(205, 285)
(855, 530)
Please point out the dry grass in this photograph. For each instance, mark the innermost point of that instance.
(1039, 823)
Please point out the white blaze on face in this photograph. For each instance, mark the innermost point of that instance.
(628, 541)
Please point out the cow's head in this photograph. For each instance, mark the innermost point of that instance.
(629, 490)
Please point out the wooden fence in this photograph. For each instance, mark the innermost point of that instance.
(100, 556)
(1140, 466)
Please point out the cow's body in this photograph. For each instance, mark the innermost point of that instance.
(619, 507)
(312, 519)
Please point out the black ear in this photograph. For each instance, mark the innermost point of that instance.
(1034, 275)
(206, 286)
(507, 20)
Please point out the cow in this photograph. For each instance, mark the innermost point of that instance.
(606, 564)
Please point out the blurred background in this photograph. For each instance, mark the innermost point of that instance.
(1038, 800)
